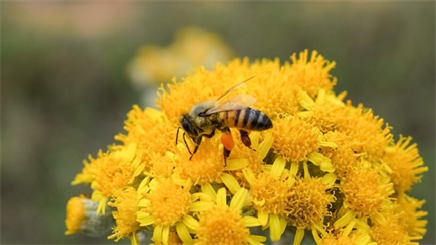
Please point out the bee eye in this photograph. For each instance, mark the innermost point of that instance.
(187, 125)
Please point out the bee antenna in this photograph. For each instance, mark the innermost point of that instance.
(186, 143)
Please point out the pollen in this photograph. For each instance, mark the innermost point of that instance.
(222, 225)
(294, 138)
(269, 195)
(125, 216)
(169, 202)
(308, 202)
(364, 191)
(406, 164)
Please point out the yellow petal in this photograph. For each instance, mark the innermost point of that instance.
(329, 179)
(190, 222)
(299, 234)
(316, 236)
(250, 221)
(254, 137)
(144, 218)
(221, 197)
(200, 206)
(183, 233)
(165, 234)
(316, 158)
(327, 166)
(294, 168)
(265, 145)
(208, 189)
(263, 217)
(274, 227)
(238, 199)
(305, 101)
(379, 218)
(278, 167)
(306, 170)
(157, 233)
(249, 176)
(236, 164)
(346, 219)
(230, 182)
(283, 224)
(256, 240)
(349, 227)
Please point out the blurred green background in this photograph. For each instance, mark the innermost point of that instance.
(65, 92)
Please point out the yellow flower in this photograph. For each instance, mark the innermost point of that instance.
(325, 166)
(392, 231)
(343, 157)
(113, 170)
(207, 165)
(367, 131)
(269, 195)
(82, 217)
(405, 163)
(223, 224)
(407, 207)
(125, 216)
(364, 190)
(167, 205)
(307, 205)
(294, 138)
(151, 131)
(312, 75)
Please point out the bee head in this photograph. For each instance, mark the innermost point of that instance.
(187, 125)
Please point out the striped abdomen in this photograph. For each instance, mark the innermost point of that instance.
(247, 118)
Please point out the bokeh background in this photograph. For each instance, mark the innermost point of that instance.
(66, 89)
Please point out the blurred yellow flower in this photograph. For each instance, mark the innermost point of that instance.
(325, 166)
(191, 48)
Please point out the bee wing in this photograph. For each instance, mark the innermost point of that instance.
(234, 87)
(237, 103)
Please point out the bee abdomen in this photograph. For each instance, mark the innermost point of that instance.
(247, 118)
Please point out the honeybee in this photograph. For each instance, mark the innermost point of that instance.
(205, 117)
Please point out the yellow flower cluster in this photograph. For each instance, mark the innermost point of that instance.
(325, 166)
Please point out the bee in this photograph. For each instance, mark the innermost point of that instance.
(207, 117)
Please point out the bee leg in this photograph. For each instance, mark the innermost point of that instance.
(227, 140)
(226, 154)
(184, 139)
(209, 135)
(245, 139)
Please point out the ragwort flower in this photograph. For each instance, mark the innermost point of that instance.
(325, 166)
